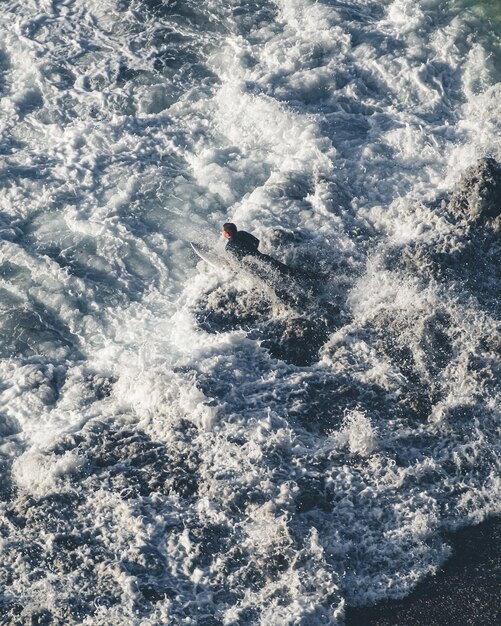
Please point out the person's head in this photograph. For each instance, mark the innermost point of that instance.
(229, 230)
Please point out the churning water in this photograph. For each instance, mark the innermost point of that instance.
(180, 445)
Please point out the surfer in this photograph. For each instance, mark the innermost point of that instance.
(242, 244)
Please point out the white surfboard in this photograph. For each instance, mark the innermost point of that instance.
(208, 255)
(217, 261)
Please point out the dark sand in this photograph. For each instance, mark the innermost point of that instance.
(465, 592)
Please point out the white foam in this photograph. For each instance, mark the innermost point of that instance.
(39, 474)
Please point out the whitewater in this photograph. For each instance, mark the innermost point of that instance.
(179, 446)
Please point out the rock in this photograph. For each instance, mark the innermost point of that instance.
(477, 197)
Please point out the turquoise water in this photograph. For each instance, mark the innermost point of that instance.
(488, 9)
(486, 17)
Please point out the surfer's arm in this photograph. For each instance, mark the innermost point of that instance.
(253, 241)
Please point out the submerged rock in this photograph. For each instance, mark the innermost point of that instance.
(477, 197)
(467, 251)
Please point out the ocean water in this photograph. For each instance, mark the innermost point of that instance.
(184, 445)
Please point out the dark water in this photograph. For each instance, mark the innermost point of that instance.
(465, 591)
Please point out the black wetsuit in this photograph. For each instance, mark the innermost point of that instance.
(244, 244)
